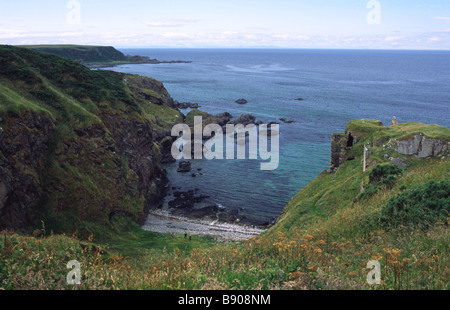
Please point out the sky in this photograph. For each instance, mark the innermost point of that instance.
(335, 24)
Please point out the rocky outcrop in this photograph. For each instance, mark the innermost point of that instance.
(340, 143)
(22, 144)
(184, 166)
(245, 119)
(151, 90)
(223, 118)
(187, 105)
(419, 146)
(134, 139)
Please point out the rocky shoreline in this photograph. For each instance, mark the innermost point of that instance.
(165, 222)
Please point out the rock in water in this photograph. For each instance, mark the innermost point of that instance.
(187, 105)
(184, 166)
(286, 121)
(245, 119)
(241, 101)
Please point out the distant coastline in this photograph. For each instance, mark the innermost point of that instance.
(97, 57)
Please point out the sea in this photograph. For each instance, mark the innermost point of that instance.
(336, 86)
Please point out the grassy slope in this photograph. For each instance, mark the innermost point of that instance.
(89, 54)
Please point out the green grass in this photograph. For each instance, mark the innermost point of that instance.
(88, 53)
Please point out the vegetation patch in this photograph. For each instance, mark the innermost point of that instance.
(418, 206)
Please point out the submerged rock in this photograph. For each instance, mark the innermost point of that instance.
(286, 121)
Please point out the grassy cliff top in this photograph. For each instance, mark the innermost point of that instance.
(401, 131)
(332, 193)
(70, 92)
(86, 53)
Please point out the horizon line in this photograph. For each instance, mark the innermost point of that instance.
(239, 47)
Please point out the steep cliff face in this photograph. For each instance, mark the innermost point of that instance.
(78, 147)
(22, 143)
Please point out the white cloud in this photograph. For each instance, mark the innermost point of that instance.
(434, 39)
(393, 38)
(170, 23)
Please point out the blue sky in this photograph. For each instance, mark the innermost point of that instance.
(403, 24)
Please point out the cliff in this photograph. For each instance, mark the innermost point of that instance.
(407, 140)
(393, 155)
(96, 56)
(78, 147)
(85, 53)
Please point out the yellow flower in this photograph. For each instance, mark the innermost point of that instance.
(308, 237)
(321, 242)
(318, 250)
(280, 234)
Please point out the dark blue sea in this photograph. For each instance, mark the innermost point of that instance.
(336, 85)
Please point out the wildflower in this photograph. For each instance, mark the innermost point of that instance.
(308, 237)
(318, 250)
(321, 242)
(280, 234)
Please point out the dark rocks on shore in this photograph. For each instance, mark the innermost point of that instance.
(245, 119)
(183, 204)
(187, 105)
(184, 166)
(223, 118)
(241, 101)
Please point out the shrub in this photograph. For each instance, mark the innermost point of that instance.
(381, 176)
(384, 173)
(422, 205)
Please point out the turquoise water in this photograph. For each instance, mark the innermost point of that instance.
(337, 85)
